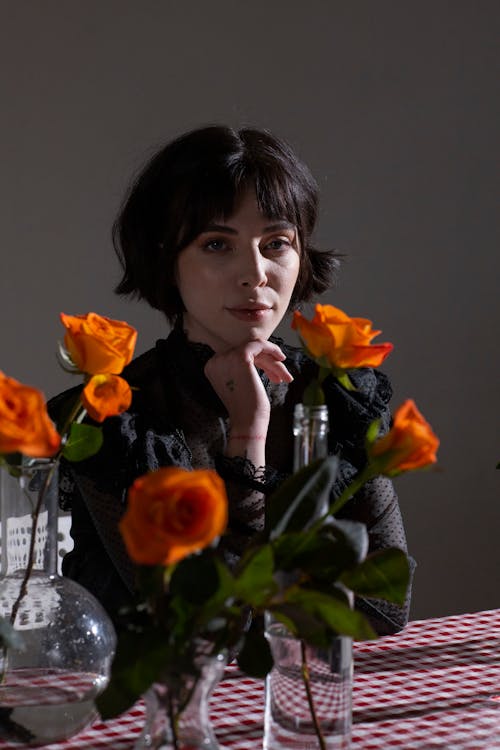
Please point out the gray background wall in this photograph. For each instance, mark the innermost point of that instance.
(393, 104)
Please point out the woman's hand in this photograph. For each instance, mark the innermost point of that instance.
(234, 377)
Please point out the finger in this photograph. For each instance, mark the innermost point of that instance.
(263, 354)
(258, 347)
(275, 371)
(269, 357)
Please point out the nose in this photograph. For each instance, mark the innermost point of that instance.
(252, 271)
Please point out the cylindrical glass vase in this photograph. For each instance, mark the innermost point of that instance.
(290, 722)
(64, 640)
(312, 711)
(187, 705)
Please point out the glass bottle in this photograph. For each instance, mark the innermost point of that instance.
(64, 641)
(288, 723)
(310, 438)
(310, 431)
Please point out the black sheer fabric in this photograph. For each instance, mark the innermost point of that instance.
(177, 419)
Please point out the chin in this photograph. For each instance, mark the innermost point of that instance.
(256, 333)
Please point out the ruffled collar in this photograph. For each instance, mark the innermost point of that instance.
(185, 362)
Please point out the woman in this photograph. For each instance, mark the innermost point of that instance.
(216, 233)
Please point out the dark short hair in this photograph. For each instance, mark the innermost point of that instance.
(199, 177)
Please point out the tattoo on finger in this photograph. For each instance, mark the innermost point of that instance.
(230, 384)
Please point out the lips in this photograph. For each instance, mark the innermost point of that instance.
(250, 307)
(250, 312)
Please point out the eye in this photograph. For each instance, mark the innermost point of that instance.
(278, 243)
(215, 244)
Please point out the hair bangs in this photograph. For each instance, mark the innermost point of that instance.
(215, 197)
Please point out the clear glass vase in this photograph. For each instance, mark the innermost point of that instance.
(290, 723)
(313, 713)
(64, 640)
(187, 706)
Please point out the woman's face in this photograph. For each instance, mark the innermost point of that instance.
(237, 277)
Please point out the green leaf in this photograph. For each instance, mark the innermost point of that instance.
(214, 616)
(297, 502)
(324, 554)
(150, 580)
(84, 441)
(254, 582)
(254, 657)
(313, 394)
(383, 575)
(13, 463)
(225, 589)
(296, 549)
(333, 612)
(195, 578)
(351, 538)
(302, 624)
(179, 618)
(214, 613)
(138, 662)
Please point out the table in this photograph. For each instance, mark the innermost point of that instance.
(435, 685)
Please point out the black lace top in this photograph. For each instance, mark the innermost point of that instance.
(176, 418)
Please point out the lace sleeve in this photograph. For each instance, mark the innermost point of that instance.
(241, 471)
(247, 487)
(377, 506)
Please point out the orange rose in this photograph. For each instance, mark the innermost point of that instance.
(173, 512)
(410, 444)
(106, 396)
(25, 426)
(336, 341)
(98, 345)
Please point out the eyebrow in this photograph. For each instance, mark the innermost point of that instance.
(229, 230)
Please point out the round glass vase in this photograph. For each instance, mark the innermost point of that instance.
(186, 705)
(60, 657)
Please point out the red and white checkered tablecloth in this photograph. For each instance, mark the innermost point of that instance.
(435, 685)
